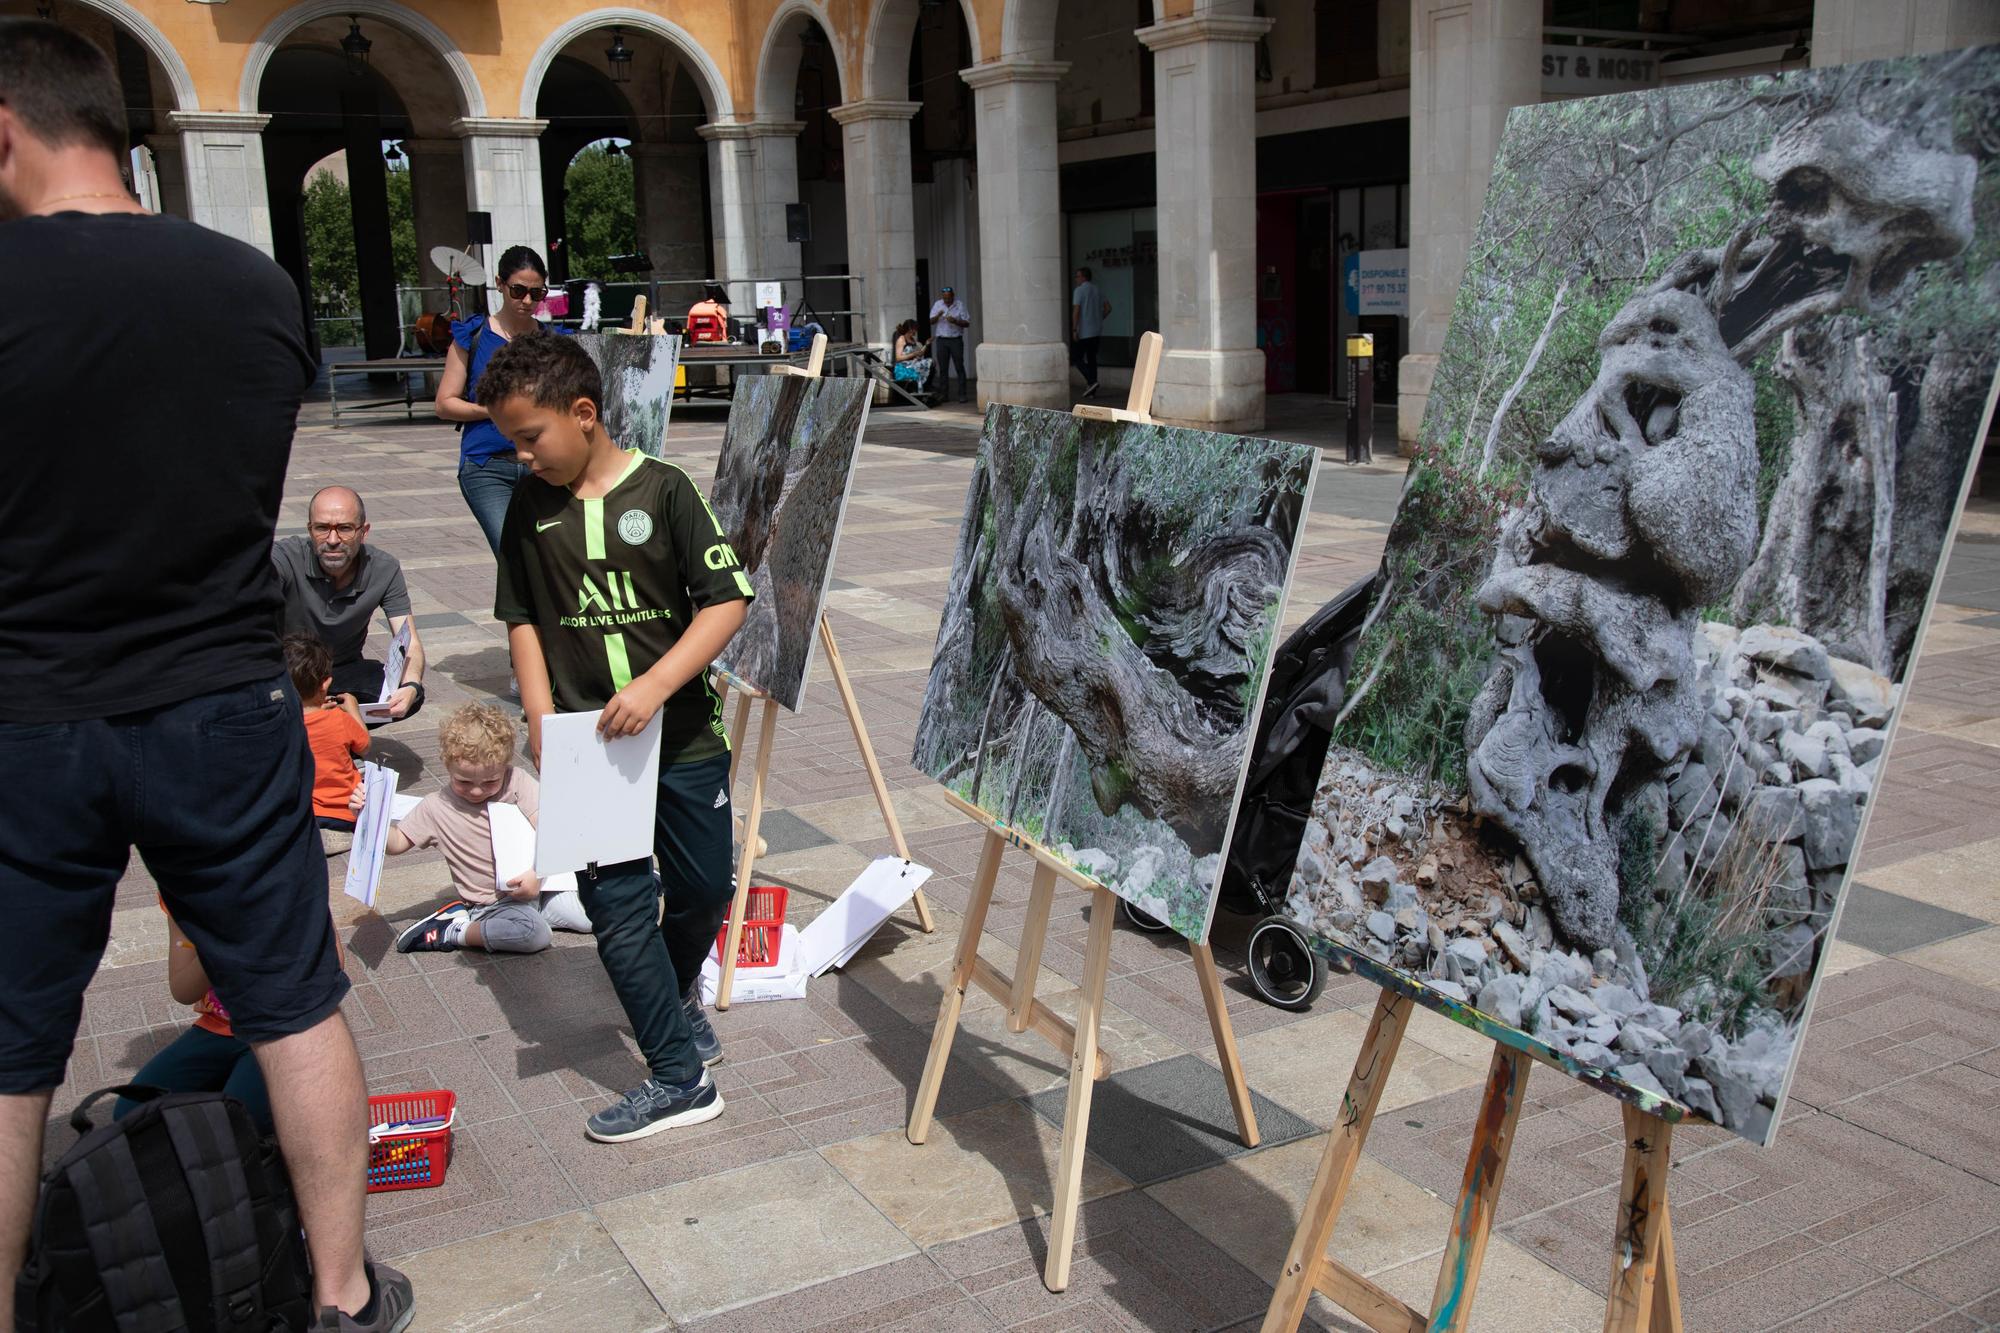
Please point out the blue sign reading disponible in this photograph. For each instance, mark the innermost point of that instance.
(1376, 282)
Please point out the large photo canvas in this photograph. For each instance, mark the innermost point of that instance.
(780, 489)
(638, 371)
(1698, 437)
(1106, 640)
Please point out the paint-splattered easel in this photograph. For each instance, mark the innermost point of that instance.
(1025, 1013)
(1645, 1293)
(747, 694)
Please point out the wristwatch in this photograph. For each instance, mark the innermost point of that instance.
(416, 685)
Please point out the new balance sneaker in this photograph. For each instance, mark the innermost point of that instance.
(437, 932)
(706, 1044)
(391, 1306)
(654, 1106)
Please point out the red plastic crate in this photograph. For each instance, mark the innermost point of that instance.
(411, 1159)
(763, 926)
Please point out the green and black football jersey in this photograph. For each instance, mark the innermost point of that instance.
(610, 584)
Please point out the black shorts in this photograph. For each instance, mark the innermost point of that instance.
(216, 793)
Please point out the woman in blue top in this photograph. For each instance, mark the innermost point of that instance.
(487, 468)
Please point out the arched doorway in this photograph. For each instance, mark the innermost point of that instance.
(364, 87)
(155, 84)
(799, 82)
(624, 103)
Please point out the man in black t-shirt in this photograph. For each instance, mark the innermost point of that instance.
(143, 700)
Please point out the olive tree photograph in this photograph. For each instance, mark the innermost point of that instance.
(1106, 640)
(1699, 434)
(638, 371)
(780, 489)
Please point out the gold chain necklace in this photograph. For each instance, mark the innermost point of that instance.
(65, 198)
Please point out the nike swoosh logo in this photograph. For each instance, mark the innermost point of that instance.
(544, 527)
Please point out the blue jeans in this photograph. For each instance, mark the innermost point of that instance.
(653, 956)
(216, 793)
(202, 1061)
(488, 488)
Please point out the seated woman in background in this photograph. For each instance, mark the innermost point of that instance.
(911, 357)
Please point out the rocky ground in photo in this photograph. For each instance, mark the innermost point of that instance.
(1399, 869)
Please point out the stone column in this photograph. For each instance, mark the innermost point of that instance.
(503, 176)
(670, 223)
(1469, 65)
(1204, 80)
(1844, 31)
(222, 156)
(1023, 331)
(881, 221)
(753, 172)
(437, 203)
(169, 173)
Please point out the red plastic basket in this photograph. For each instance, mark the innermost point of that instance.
(763, 927)
(409, 1139)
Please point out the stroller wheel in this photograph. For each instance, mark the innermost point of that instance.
(1143, 920)
(1284, 970)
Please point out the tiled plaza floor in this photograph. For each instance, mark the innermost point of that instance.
(804, 1208)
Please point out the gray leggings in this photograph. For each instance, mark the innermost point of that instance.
(520, 927)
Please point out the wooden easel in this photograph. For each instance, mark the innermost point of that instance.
(753, 844)
(1025, 1013)
(1645, 1293)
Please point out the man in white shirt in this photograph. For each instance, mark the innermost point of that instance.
(1087, 309)
(949, 322)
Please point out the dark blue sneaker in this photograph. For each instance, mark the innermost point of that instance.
(652, 1107)
(706, 1044)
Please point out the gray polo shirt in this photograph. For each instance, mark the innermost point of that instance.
(339, 617)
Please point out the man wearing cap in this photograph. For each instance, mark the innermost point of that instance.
(949, 322)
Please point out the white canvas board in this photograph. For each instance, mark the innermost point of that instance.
(514, 849)
(836, 934)
(371, 833)
(787, 981)
(597, 795)
(392, 675)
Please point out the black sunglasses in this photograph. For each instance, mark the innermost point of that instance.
(520, 293)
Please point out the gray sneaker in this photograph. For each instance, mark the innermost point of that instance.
(652, 1107)
(395, 1305)
(706, 1044)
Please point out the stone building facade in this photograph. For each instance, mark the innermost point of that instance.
(1225, 158)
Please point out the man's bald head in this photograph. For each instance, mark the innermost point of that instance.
(343, 505)
(337, 522)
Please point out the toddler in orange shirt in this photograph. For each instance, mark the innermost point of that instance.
(334, 731)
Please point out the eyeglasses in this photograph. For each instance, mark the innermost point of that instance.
(520, 293)
(340, 530)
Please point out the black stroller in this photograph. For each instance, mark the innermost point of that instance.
(1308, 683)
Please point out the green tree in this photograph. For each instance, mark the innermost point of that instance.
(334, 275)
(599, 212)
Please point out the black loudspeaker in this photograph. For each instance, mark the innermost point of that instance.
(479, 229)
(798, 224)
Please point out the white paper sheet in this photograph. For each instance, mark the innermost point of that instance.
(392, 675)
(836, 934)
(371, 832)
(787, 981)
(514, 849)
(597, 796)
(402, 805)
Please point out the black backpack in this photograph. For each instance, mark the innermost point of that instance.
(178, 1216)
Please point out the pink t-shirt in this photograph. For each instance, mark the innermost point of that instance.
(442, 819)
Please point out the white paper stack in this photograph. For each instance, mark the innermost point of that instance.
(371, 833)
(786, 981)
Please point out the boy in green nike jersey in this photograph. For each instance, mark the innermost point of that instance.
(618, 590)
